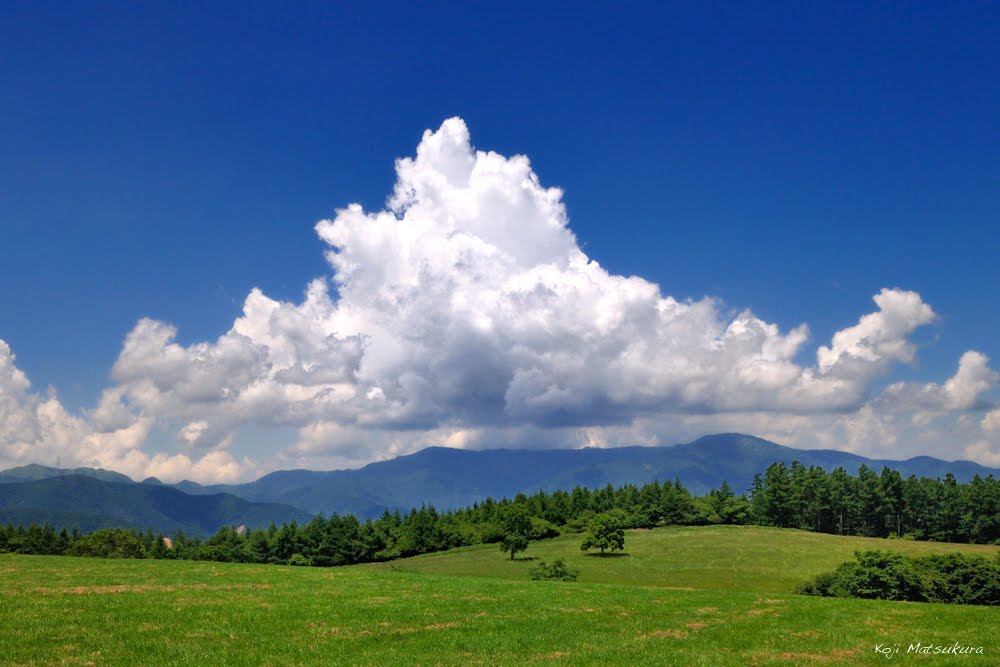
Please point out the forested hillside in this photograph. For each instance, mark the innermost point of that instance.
(868, 504)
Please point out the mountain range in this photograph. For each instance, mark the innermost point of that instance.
(88, 502)
(439, 476)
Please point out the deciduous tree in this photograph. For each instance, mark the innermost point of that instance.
(605, 532)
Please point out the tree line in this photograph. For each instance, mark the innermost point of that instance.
(877, 505)
(790, 496)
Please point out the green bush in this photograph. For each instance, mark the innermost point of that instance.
(964, 578)
(491, 532)
(884, 575)
(108, 543)
(580, 523)
(822, 585)
(557, 571)
(542, 529)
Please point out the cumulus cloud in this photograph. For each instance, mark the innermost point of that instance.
(36, 428)
(216, 466)
(465, 312)
(468, 301)
(963, 391)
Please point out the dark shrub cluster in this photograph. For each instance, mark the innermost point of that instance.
(557, 571)
(108, 543)
(885, 575)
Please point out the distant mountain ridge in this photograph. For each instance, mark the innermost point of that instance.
(34, 472)
(89, 503)
(452, 478)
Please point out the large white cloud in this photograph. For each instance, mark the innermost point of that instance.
(466, 313)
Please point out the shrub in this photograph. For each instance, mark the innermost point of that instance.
(108, 543)
(964, 579)
(955, 578)
(886, 575)
(300, 561)
(557, 571)
(580, 523)
(821, 585)
(491, 532)
(542, 529)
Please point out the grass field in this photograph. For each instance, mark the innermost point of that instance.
(67, 611)
(740, 558)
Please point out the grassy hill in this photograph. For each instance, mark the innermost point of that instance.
(72, 611)
(743, 558)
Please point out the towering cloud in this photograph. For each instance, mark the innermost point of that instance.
(465, 312)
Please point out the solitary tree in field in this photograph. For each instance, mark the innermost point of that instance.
(605, 532)
(516, 528)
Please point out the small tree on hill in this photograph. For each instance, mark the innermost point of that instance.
(513, 542)
(605, 532)
(516, 528)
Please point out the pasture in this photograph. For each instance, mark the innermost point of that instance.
(674, 600)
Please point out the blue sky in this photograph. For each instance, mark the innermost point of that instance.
(794, 159)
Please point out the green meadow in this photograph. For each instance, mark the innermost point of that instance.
(686, 596)
(739, 558)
